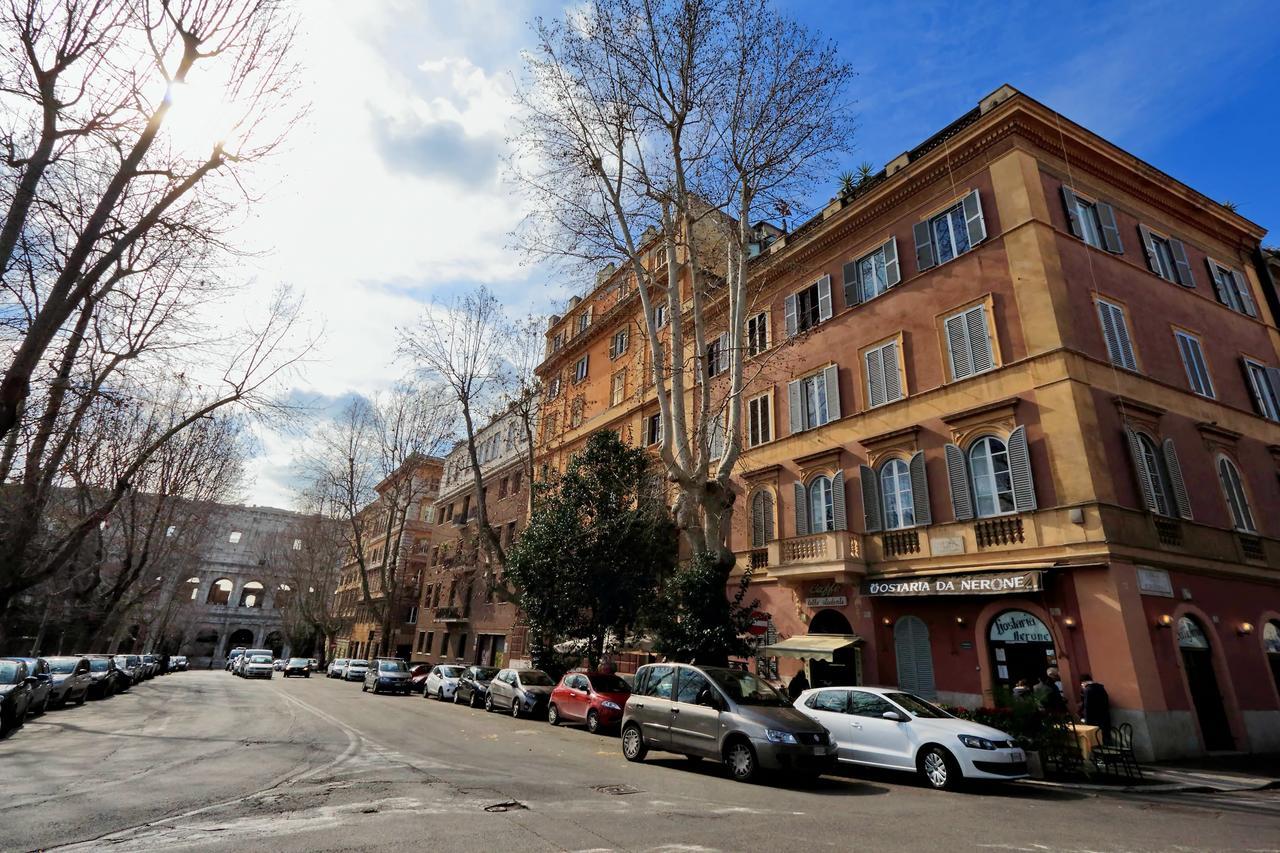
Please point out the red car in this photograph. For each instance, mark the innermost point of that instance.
(418, 677)
(594, 698)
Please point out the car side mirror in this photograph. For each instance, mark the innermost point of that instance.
(32, 680)
(892, 715)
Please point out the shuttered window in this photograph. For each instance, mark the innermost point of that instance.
(1115, 332)
(618, 388)
(950, 234)
(884, 376)
(1159, 475)
(895, 493)
(814, 400)
(969, 343)
(1092, 221)
(821, 506)
(809, 307)
(914, 657)
(872, 274)
(1237, 500)
(619, 343)
(761, 519)
(757, 334)
(759, 420)
(717, 360)
(1264, 387)
(993, 478)
(1231, 288)
(717, 436)
(580, 369)
(1193, 361)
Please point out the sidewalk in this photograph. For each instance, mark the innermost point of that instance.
(1213, 774)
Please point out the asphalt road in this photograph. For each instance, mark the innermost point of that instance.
(204, 760)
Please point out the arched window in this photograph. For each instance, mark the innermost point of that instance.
(821, 509)
(251, 595)
(1237, 500)
(219, 592)
(761, 518)
(895, 492)
(1155, 473)
(992, 481)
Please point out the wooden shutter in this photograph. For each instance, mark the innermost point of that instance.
(867, 479)
(723, 354)
(1175, 479)
(1024, 487)
(1149, 246)
(920, 489)
(874, 359)
(1246, 297)
(1110, 231)
(757, 520)
(973, 219)
(831, 376)
(1251, 382)
(790, 315)
(802, 509)
(768, 515)
(1109, 332)
(914, 657)
(1073, 213)
(979, 339)
(852, 284)
(1128, 361)
(837, 502)
(892, 378)
(795, 405)
(1219, 286)
(892, 269)
(824, 298)
(958, 475)
(924, 246)
(1181, 266)
(958, 347)
(1140, 470)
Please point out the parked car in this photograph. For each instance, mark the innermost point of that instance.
(257, 666)
(336, 666)
(355, 670)
(888, 727)
(15, 693)
(248, 657)
(179, 663)
(278, 664)
(130, 665)
(41, 687)
(723, 714)
(295, 667)
(104, 677)
(520, 691)
(418, 677)
(232, 657)
(473, 685)
(596, 699)
(442, 681)
(153, 664)
(313, 664)
(70, 680)
(387, 675)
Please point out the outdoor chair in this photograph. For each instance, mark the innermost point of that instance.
(1062, 749)
(1119, 753)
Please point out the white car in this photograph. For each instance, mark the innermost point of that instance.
(257, 666)
(442, 682)
(336, 666)
(355, 670)
(887, 727)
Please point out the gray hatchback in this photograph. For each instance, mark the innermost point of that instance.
(724, 714)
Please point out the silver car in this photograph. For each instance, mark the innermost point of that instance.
(387, 675)
(355, 670)
(71, 680)
(336, 666)
(523, 692)
(723, 714)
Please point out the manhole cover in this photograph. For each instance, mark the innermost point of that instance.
(508, 806)
(615, 789)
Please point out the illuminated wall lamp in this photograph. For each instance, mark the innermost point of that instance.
(959, 620)
(1245, 629)
(887, 621)
(1165, 621)
(1069, 621)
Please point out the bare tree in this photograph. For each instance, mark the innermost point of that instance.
(654, 132)
(312, 555)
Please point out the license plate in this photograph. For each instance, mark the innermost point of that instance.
(821, 750)
(1017, 755)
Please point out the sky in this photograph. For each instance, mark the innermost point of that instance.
(391, 192)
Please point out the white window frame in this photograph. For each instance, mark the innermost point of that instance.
(821, 487)
(1157, 474)
(619, 343)
(966, 328)
(758, 333)
(820, 293)
(1266, 390)
(951, 232)
(660, 315)
(815, 408)
(863, 280)
(1232, 482)
(900, 491)
(1119, 342)
(618, 388)
(883, 379)
(760, 419)
(1229, 282)
(1090, 222)
(580, 369)
(653, 435)
(553, 387)
(991, 478)
(1197, 368)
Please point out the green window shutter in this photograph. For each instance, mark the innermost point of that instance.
(824, 298)
(1110, 231)
(979, 339)
(1219, 286)
(852, 284)
(872, 522)
(831, 376)
(874, 359)
(892, 378)
(958, 347)
(920, 489)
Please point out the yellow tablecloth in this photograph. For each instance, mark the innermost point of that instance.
(1089, 737)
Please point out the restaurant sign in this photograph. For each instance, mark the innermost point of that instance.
(826, 595)
(1002, 583)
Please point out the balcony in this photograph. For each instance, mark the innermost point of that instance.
(452, 613)
(836, 555)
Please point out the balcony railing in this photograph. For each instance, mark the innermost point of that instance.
(1168, 530)
(451, 613)
(896, 543)
(995, 532)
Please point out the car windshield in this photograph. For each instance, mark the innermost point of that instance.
(608, 683)
(339, 662)
(535, 678)
(392, 666)
(745, 689)
(917, 707)
(483, 673)
(360, 664)
(8, 672)
(297, 661)
(97, 665)
(260, 659)
(63, 665)
(450, 672)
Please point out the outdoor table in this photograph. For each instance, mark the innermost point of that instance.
(1089, 737)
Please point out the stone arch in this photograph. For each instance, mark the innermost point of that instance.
(205, 643)
(220, 591)
(1222, 672)
(253, 594)
(1065, 663)
(240, 637)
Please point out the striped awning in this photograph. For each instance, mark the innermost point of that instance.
(810, 646)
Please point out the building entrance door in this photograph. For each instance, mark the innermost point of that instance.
(842, 669)
(1202, 681)
(1021, 649)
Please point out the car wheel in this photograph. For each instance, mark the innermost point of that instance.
(488, 703)
(440, 693)
(457, 697)
(593, 722)
(515, 708)
(364, 688)
(939, 769)
(633, 745)
(553, 714)
(83, 697)
(44, 706)
(473, 701)
(308, 675)
(740, 759)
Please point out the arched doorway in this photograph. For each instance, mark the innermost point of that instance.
(275, 642)
(205, 643)
(240, 637)
(914, 657)
(842, 669)
(1271, 646)
(1202, 682)
(1021, 649)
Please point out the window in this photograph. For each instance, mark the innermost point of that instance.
(584, 320)
(1231, 288)
(692, 685)
(660, 315)
(717, 357)
(557, 342)
(759, 420)
(1166, 257)
(618, 345)
(1159, 475)
(863, 704)
(1092, 221)
(1264, 386)
(1193, 361)
(297, 544)
(949, 234)
(992, 478)
(1156, 474)
(809, 307)
(969, 342)
(553, 387)
(412, 615)
(653, 428)
(757, 334)
(833, 701)
(580, 369)
(549, 426)
(1115, 332)
(895, 492)
(502, 488)
(1237, 500)
(235, 537)
(871, 275)
(516, 479)
(884, 379)
(575, 413)
(761, 519)
(821, 506)
(814, 400)
(660, 682)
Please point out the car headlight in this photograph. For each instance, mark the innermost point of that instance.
(975, 742)
(776, 736)
(612, 706)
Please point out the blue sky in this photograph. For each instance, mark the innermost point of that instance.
(390, 192)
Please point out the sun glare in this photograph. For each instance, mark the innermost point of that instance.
(199, 119)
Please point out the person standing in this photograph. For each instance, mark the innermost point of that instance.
(1049, 696)
(798, 685)
(1095, 705)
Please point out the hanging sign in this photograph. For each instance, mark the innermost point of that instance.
(1003, 583)
(828, 594)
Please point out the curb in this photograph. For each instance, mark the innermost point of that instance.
(1159, 788)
